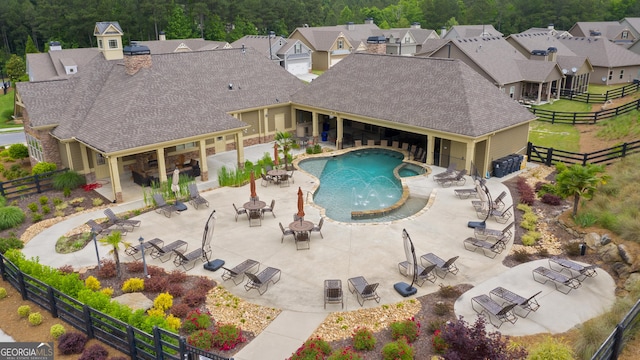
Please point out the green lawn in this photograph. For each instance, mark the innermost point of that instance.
(602, 89)
(558, 136)
(6, 110)
(565, 105)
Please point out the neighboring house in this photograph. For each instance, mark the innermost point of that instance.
(440, 105)
(577, 69)
(469, 31)
(549, 30)
(330, 44)
(293, 55)
(612, 64)
(618, 33)
(408, 41)
(496, 60)
(634, 26)
(164, 46)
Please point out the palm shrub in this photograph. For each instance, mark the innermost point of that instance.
(11, 216)
(68, 180)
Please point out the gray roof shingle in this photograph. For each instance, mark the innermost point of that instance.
(438, 94)
(601, 52)
(48, 66)
(176, 45)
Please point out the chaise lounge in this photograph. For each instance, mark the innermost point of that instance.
(558, 279)
(489, 249)
(445, 267)
(364, 291)
(237, 272)
(261, 281)
(583, 271)
(490, 308)
(527, 304)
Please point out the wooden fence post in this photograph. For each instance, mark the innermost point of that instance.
(624, 150)
(157, 343)
(52, 302)
(87, 321)
(131, 337)
(529, 148)
(549, 156)
(37, 180)
(585, 157)
(23, 288)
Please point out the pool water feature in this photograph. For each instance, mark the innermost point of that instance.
(360, 186)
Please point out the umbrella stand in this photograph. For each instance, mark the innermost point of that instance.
(211, 265)
(403, 288)
(483, 224)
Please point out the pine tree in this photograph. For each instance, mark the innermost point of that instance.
(30, 48)
(179, 26)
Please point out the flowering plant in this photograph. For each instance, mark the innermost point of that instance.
(202, 339)
(363, 339)
(409, 329)
(438, 343)
(344, 354)
(312, 349)
(196, 320)
(227, 337)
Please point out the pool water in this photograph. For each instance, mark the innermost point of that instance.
(359, 180)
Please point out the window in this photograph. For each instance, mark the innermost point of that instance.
(99, 43)
(625, 34)
(512, 91)
(186, 146)
(100, 160)
(297, 48)
(340, 44)
(113, 44)
(621, 73)
(35, 148)
(610, 74)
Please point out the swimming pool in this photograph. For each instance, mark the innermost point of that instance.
(361, 182)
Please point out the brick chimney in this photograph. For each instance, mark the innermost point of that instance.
(136, 57)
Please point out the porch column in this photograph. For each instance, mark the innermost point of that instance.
(204, 170)
(314, 122)
(469, 156)
(431, 145)
(239, 149)
(487, 161)
(162, 166)
(539, 93)
(264, 124)
(115, 178)
(67, 149)
(339, 132)
(85, 159)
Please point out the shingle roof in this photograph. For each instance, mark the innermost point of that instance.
(169, 46)
(431, 45)
(468, 31)
(438, 94)
(322, 38)
(261, 43)
(608, 29)
(48, 66)
(634, 22)
(180, 96)
(102, 26)
(601, 52)
(565, 58)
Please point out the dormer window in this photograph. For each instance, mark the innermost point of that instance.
(340, 44)
(625, 34)
(113, 44)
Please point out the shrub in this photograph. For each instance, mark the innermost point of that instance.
(314, 348)
(344, 353)
(572, 248)
(551, 199)
(57, 201)
(46, 209)
(3, 201)
(18, 151)
(397, 350)
(107, 270)
(530, 238)
(107, 291)
(135, 267)
(435, 325)
(176, 276)
(441, 308)
(11, 216)
(227, 337)
(57, 330)
(202, 339)
(180, 310)
(585, 219)
(551, 348)
(521, 255)
(68, 180)
(24, 311)
(35, 318)
(94, 352)
(156, 284)
(92, 283)
(438, 343)
(33, 207)
(43, 167)
(12, 242)
(133, 285)
(473, 342)
(194, 298)
(363, 339)
(176, 290)
(197, 320)
(43, 200)
(97, 202)
(448, 291)
(71, 343)
(163, 301)
(66, 192)
(410, 329)
(3, 293)
(527, 196)
(36, 217)
(205, 284)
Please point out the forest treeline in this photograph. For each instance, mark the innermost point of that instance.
(71, 22)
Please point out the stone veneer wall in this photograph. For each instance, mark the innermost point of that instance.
(377, 48)
(133, 63)
(50, 150)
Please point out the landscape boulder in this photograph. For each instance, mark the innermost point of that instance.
(609, 253)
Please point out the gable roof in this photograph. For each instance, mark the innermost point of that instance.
(180, 96)
(261, 43)
(322, 38)
(607, 29)
(634, 23)
(177, 45)
(565, 58)
(468, 31)
(601, 52)
(49, 66)
(439, 94)
(107, 27)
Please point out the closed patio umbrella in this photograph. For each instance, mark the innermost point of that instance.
(276, 159)
(300, 204)
(175, 183)
(252, 185)
(403, 288)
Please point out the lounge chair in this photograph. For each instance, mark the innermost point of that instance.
(493, 248)
(395, 144)
(103, 229)
(458, 179)
(136, 251)
(163, 207)
(114, 220)
(269, 208)
(318, 228)
(501, 216)
(237, 272)
(293, 181)
(504, 234)
(583, 271)
(498, 202)
(384, 143)
(261, 281)
(444, 267)
(195, 198)
(357, 143)
(424, 273)
(405, 146)
(241, 211)
(451, 169)
(285, 232)
(164, 252)
(333, 292)
(364, 291)
(182, 259)
(527, 304)
(492, 309)
(558, 279)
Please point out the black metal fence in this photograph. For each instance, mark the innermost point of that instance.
(550, 156)
(29, 185)
(611, 348)
(134, 342)
(600, 98)
(562, 117)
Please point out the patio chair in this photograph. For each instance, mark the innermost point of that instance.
(424, 273)
(136, 251)
(558, 279)
(333, 292)
(195, 198)
(240, 211)
(583, 271)
(444, 267)
(451, 169)
(395, 144)
(285, 232)
(255, 218)
(527, 304)
(458, 179)
(303, 242)
(266, 180)
(261, 281)
(504, 234)
(364, 291)
(466, 193)
(384, 143)
(498, 202)
(493, 248)
(164, 252)
(269, 208)
(284, 180)
(405, 146)
(184, 260)
(371, 142)
(103, 229)
(237, 272)
(318, 228)
(114, 220)
(163, 207)
(490, 308)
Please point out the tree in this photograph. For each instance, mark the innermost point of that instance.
(579, 181)
(18, 151)
(30, 48)
(179, 26)
(114, 240)
(285, 143)
(214, 29)
(15, 68)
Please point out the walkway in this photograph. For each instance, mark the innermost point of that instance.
(347, 250)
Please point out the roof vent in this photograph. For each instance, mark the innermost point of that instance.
(552, 49)
(134, 50)
(230, 86)
(594, 33)
(378, 39)
(539, 52)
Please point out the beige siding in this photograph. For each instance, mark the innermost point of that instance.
(509, 142)
(76, 155)
(251, 118)
(457, 153)
(278, 112)
(63, 155)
